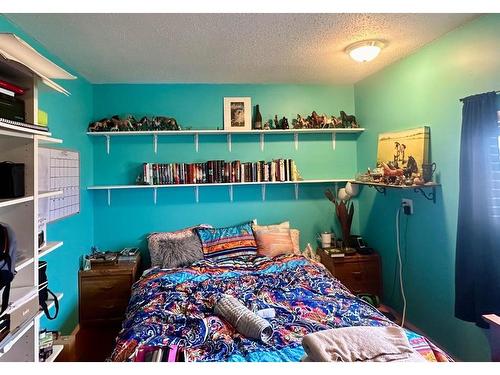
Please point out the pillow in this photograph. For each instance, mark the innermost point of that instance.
(273, 243)
(285, 224)
(175, 249)
(229, 242)
(294, 233)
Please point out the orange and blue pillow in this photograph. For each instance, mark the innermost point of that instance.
(229, 242)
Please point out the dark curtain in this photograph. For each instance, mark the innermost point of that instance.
(477, 269)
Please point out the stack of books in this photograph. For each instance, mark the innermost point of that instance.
(46, 344)
(219, 171)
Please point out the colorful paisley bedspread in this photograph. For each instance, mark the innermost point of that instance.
(176, 307)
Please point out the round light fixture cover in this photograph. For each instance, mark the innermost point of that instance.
(365, 50)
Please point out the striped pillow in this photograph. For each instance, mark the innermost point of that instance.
(220, 243)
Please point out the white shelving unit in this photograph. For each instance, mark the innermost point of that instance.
(229, 185)
(196, 134)
(20, 144)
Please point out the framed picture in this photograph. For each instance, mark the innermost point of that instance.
(237, 114)
(405, 149)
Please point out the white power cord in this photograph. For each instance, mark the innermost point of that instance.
(400, 268)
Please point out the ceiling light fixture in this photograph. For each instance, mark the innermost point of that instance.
(365, 50)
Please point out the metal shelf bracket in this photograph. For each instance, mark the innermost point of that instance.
(109, 197)
(196, 142)
(261, 141)
(231, 196)
(196, 194)
(155, 195)
(296, 188)
(380, 189)
(296, 140)
(229, 143)
(263, 190)
(107, 144)
(334, 140)
(430, 196)
(155, 143)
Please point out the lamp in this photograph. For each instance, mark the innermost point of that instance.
(365, 50)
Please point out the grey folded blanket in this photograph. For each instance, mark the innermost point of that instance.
(352, 344)
(245, 321)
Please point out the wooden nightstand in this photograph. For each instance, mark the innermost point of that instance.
(359, 273)
(105, 292)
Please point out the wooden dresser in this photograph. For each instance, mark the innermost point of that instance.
(359, 273)
(105, 292)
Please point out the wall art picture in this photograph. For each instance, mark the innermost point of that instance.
(405, 149)
(237, 114)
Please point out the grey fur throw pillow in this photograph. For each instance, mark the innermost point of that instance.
(175, 249)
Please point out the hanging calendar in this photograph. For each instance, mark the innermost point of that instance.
(58, 170)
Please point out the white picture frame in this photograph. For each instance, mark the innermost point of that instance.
(237, 114)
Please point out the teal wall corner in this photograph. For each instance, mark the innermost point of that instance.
(424, 89)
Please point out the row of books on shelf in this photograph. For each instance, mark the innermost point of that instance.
(219, 171)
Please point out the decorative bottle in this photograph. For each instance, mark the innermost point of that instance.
(258, 118)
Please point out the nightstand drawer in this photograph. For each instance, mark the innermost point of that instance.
(101, 309)
(359, 273)
(97, 288)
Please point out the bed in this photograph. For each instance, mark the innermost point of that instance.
(175, 306)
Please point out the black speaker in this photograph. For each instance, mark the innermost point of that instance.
(12, 180)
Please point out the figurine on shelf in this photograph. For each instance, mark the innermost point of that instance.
(267, 125)
(100, 126)
(276, 122)
(348, 121)
(121, 125)
(284, 123)
(299, 122)
(411, 167)
(115, 123)
(316, 120)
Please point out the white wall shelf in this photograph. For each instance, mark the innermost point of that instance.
(11, 202)
(24, 262)
(229, 185)
(196, 133)
(56, 350)
(43, 140)
(10, 340)
(48, 248)
(21, 132)
(49, 194)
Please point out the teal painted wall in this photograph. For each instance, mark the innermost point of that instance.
(132, 214)
(68, 118)
(424, 89)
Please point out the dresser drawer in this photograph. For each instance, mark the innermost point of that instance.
(102, 309)
(360, 274)
(113, 286)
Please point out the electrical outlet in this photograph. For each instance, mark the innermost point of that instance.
(407, 205)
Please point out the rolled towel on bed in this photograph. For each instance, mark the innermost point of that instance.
(240, 317)
(351, 344)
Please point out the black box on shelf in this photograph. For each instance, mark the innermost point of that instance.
(12, 177)
(12, 108)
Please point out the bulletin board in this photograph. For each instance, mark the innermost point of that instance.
(58, 170)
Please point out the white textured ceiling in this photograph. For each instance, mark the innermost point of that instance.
(229, 48)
